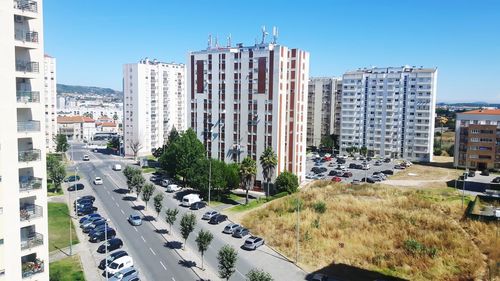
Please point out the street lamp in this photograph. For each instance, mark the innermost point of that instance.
(106, 246)
(209, 158)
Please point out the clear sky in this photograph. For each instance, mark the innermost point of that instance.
(92, 39)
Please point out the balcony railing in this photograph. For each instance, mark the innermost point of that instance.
(30, 211)
(28, 96)
(31, 268)
(29, 183)
(29, 155)
(27, 66)
(34, 239)
(26, 5)
(28, 126)
(26, 36)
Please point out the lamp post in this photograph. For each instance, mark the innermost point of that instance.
(106, 246)
(210, 158)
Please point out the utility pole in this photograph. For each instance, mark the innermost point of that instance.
(298, 231)
(75, 210)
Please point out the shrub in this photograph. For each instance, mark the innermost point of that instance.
(288, 182)
(319, 207)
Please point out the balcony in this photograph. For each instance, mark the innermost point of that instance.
(27, 66)
(30, 211)
(28, 126)
(30, 268)
(26, 5)
(28, 97)
(29, 183)
(29, 155)
(32, 240)
(26, 36)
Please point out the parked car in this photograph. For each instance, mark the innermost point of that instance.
(380, 175)
(217, 219)
(98, 181)
(154, 178)
(353, 166)
(240, 232)
(173, 188)
(368, 180)
(135, 219)
(109, 259)
(340, 167)
(485, 173)
(86, 158)
(99, 228)
(165, 182)
(112, 244)
(82, 202)
(355, 182)
(116, 167)
(336, 179)
(118, 265)
(208, 215)
(190, 199)
(101, 235)
(93, 225)
(126, 274)
(471, 173)
(366, 167)
(388, 172)
(87, 197)
(346, 174)
(368, 159)
(86, 210)
(496, 180)
(327, 158)
(198, 205)
(378, 163)
(376, 178)
(310, 176)
(387, 160)
(76, 186)
(319, 277)
(341, 161)
(72, 178)
(90, 220)
(399, 167)
(253, 242)
(84, 218)
(333, 173)
(229, 229)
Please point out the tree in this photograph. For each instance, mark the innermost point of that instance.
(137, 182)
(363, 150)
(88, 114)
(147, 192)
(231, 173)
(114, 144)
(451, 150)
(173, 136)
(188, 221)
(158, 152)
(135, 145)
(158, 202)
(442, 121)
(227, 257)
(288, 182)
(171, 217)
(268, 161)
(258, 275)
(203, 241)
(248, 170)
(115, 116)
(61, 143)
(327, 142)
(52, 162)
(57, 175)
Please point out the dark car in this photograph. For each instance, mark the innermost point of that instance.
(101, 235)
(76, 186)
(83, 219)
(113, 256)
(341, 161)
(98, 229)
(333, 173)
(83, 206)
(72, 178)
(217, 219)
(198, 205)
(496, 180)
(87, 197)
(388, 172)
(353, 166)
(368, 180)
(85, 201)
(86, 210)
(323, 169)
(387, 160)
(346, 174)
(240, 232)
(113, 244)
(485, 173)
(472, 173)
(93, 226)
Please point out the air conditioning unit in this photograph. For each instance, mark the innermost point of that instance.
(18, 18)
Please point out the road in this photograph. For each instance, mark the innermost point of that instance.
(148, 247)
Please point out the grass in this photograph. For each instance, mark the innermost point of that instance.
(253, 203)
(148, 170)
(423, 172)
(67, 269)
(52, 191)
(58, 227)
(408, 233)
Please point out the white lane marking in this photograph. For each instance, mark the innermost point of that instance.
(143, 238)
(164, 267)
(122, 211)
(135, 228)
(108, 192)
(173, 279)
(113, 198)
(116, 203)
(152, 251)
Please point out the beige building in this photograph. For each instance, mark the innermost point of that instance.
(23, 190)
(76, 127)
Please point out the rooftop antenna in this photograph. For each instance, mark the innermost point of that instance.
(209, 41)
(275, 34)
(216, 41)
(264, 34)
(229, 41)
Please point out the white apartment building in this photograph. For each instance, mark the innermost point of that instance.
(23, 190)
(50, 99)
(243, 99)
(154, 103)
(322, 108)
(390, 111)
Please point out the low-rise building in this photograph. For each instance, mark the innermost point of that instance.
(76, 127)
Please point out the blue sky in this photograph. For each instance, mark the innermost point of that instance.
(92, 39)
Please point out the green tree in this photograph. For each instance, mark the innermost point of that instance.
(137, 182)
(258, 275)
(327, 142)
(173, 136)
(363, 150)
(171, 217)
(288, 182)
(62, 144)
(268, 161)
(231, 173)
(51, 162)
(203, 241)
(158, 203)
(57, 175)
(188, 221)
(157, 153)
(451, 150)
(227, 257)
(147, 192)
(198, 176)
(114, 144)
(88, 114)
(248, 170)
(218, 179)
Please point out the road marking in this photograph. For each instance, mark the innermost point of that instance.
(163, 265)
(143, 238)
(117, 204)
(135, 228)
(122, 211)
(113, 198)
(152, 251)
(173, 279)
(108, 192)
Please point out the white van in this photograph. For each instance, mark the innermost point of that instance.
(165, 182)
(173, 188)
(189, 199)
(119, 264)
(117, 167)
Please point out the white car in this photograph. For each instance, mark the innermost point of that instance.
(86, 157)
(173, 188)
(165, 182)
(98, 181)
(117, 167)
(119, 264)
(340, 167)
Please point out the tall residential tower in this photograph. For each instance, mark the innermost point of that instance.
(50, 100)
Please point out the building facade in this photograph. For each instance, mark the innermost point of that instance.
(79, 128)
(244, 99)
(390, 111)
(477, 139)
(155, 102)
(321, 108)
(50, 97)
(23, 190)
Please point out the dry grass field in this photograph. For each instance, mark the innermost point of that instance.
(409, 233)
(423, 172)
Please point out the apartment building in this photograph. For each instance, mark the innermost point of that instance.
(50, 100)
(155, 102)
(244, 99)
(23, 193)
(390, 111)
(323, 108)
(477, 139)
(79, 128)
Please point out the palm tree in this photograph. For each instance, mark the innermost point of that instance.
(442, 120)
(268, 161)
(248, 170)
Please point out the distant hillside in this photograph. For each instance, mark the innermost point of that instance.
(471, 104)
(61, 88)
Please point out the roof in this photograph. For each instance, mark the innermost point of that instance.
(483, 112)
(107, 124)
(74, 119)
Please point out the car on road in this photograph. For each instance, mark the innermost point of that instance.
(135, 219)
(112, 244)
(86, 210)
(336, 179)
(86, 158)
(240, 232)
(253, 242)
(76, 186)
(208, 215)
(198, 205)
(496, 180)
(173, 188)
(84, 218)
(117, 167)
(98, 181)
(101, 235)
(229, 229)
(72, 178)
(217, 219)
(118, 265)
(127, 274)
(109, 259)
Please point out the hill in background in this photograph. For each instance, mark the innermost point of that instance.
(62, 88)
